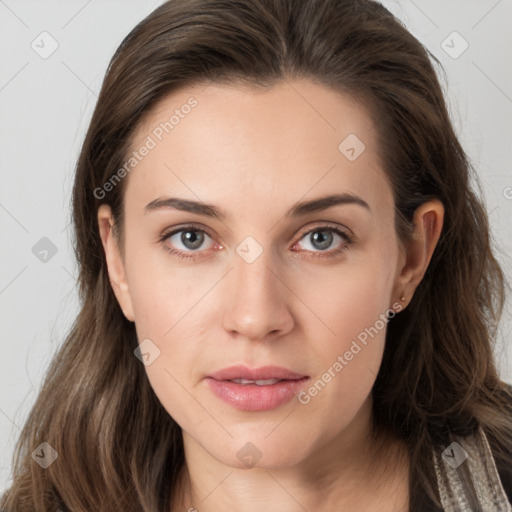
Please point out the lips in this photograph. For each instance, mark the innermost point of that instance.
(257, 389)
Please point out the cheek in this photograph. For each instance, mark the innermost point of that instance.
(354, 306)
(167, 311)
(161, 291)
(166, 314)
(348, 300)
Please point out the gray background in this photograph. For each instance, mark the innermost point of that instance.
(46, 103)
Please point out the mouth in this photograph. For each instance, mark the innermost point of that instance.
(258, 389)
(261, 382)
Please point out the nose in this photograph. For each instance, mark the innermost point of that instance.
(256, 300)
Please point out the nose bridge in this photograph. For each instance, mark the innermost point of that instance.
(255, 305)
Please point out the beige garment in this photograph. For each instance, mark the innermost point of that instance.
(467, 477)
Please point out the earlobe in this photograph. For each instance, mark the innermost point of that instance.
(115, 264)
(428, 223)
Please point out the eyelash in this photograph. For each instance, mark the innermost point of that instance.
(314, 254)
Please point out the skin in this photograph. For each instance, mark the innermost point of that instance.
(255, 153)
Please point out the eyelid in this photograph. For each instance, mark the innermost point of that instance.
(191, 226)
(323, 224)
(328, 225)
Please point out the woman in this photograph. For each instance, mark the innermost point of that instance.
(288, 291)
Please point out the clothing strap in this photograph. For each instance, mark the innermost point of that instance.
(467, 476)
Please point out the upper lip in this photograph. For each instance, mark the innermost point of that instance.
(262, 373)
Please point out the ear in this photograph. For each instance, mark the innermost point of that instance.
(115, 264)
(428, 222)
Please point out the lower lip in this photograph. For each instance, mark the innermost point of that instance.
(251, 397)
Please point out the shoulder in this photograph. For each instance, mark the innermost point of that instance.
(422, 502)
(505, 471)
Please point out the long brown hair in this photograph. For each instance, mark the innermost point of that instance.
(118, 448)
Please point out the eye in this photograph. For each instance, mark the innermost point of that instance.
(189, 241)
(186, 241)
(322, 238)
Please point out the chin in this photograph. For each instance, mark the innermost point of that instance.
(260, 453)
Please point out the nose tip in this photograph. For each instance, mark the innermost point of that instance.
(255, 304)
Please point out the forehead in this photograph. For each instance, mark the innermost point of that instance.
(225, 143)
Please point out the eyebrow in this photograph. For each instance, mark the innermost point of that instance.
(297, 210)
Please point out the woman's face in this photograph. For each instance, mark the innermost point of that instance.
(267, 275)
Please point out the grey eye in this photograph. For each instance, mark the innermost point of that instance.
(190, 239)
(321, 239)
